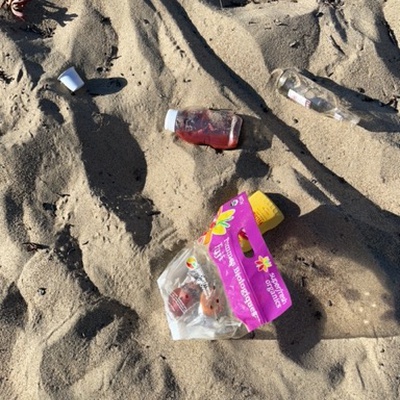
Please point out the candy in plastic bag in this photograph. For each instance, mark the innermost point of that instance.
(213, 290)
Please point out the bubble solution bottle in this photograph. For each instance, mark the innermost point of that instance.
(294, 85)
(219, 129)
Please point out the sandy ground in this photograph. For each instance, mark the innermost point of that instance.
(96, 197)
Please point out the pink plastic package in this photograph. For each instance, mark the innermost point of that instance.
(216, 291)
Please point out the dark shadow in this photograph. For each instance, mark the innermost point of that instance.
(5, 78)
(375, 225)
(349, 239)
(13, 319)
(99, 313)
(34, 70)
(101, 87)
(115, 165)
(251, 166)
(13, 308)
(334, 8)
(105, 310)
(39, 10)
(301, 327)
(210, 61)
(289, 209)
(57, 377)
(103, 314)
(25, 36)
(50, 108)
(68, 251)
(387, 45)
(173, 390)
(14, 217)
(225, 192)
(227, 3)
(35, 13)
(254, 137)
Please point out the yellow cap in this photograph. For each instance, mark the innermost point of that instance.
(266, 213)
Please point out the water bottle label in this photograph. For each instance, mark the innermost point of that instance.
(298, 98)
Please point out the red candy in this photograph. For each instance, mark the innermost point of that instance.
(182, 298)
(213, 304)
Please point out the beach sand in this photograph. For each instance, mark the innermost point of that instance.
(96, 198)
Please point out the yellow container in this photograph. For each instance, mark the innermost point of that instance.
(266, 213)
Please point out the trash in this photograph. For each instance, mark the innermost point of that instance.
(266, 214)
(215, 290)
(294, 85)
(219, 129)
(71, 79)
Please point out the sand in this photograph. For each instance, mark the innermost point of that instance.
(96, 198)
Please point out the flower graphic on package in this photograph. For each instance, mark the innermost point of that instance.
(263, 263)
(219, 225)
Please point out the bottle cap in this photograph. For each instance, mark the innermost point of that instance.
(266, 213)
(170, 120)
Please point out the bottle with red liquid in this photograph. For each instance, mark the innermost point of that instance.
(219, 129)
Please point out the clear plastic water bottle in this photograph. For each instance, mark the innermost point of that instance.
(294, 85)
(219, 129)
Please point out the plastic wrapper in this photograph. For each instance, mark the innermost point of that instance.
(213, 290)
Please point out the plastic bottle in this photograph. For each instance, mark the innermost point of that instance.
(294, 85)
(219, 129)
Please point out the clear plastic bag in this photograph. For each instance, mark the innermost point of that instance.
(196, 305)
(212, 290)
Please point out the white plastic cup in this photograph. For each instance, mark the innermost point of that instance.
(71, 79)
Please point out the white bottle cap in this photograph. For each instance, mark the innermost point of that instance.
(170, 120)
